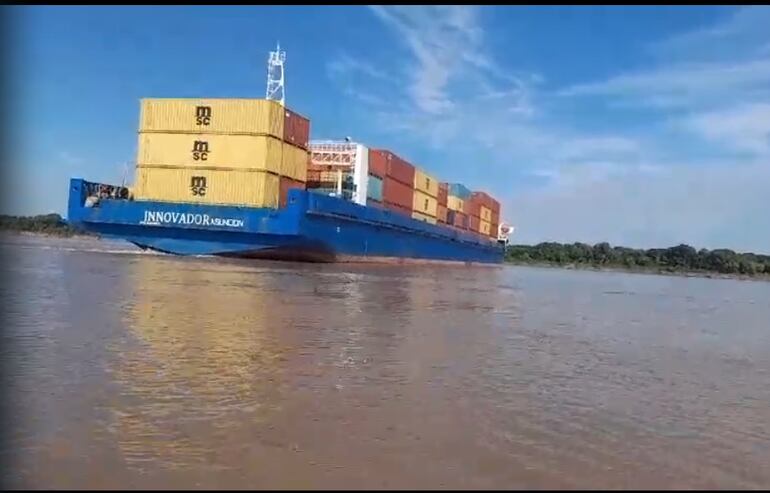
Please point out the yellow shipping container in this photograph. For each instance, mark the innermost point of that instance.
(294, 162)
(486, 214)
(236, 152)
(424, 203)
(245, 188)
(425, 183)
(455, 203)
(424, 217)
(212, 116)
(485, 227)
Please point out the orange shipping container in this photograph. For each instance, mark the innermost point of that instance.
(395, 192)
(397, 168)
(378, 164)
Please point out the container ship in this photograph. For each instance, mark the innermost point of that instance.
(241, 178)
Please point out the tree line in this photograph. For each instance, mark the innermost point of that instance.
(50, 224)
(678, 259)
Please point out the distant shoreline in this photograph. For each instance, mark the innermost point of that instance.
(648, 271)
(51, 225)
(681, 260)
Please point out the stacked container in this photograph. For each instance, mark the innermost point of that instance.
(457, 196)
(425, 200)
(443, 193)
(378, 168)
(484, 212)
(398, 182)
(246, 152)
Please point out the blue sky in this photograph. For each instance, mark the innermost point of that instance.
(641, 126)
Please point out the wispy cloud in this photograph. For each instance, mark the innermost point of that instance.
(344, 65)
(709, 87)
(740, 36)
(744, 128)
(442, 39)
(684, 84)
(715, 206)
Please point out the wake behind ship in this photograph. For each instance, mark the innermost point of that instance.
(240, 177)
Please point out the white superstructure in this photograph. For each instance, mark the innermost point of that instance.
(347, 157)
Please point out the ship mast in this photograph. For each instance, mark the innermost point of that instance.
(276, 90)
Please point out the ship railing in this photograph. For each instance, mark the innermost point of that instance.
(96, 192)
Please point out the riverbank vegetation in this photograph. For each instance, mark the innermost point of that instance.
(48, 224)
(681, 259)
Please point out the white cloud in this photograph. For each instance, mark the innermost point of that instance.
(741, 35)
(711, 206)
(744, 128)
(441, 39)
(590, 185)
(684, 85)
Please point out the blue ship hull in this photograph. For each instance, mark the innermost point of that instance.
(312, 227)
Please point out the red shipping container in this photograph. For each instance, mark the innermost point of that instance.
(296, 129)
(401, 171)
(406, 211)
(471, 207)
(460, 220)
(443, 194)
(286, 184)
(475, 224)
(482, 198)
(395, 192)
(378, 163)
(441, 214)
(397, 168)
(313, 175)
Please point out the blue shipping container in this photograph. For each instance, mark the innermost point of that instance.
(374, 189)
(459, 190)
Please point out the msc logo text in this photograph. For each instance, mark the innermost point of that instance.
(203, 115)
(198, 186)
(200, 150)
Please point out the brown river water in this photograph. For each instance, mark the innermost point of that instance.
(137, 370)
